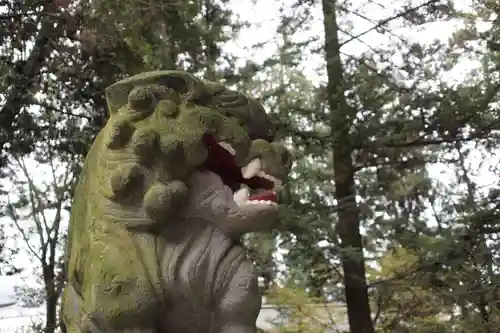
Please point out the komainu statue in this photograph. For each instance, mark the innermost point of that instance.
(183, 168)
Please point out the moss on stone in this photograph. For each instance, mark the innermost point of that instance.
(142, 99)
(125, 179)
(195, 152)
(161, 200)
(134, 178)
(167, 108)
(145, 144)
(119, 133)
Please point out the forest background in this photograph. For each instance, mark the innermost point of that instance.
(391, 109)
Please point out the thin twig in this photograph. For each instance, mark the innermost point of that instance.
(389, 19)
(12, 215)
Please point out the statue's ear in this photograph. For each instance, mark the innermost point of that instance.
(186, 85)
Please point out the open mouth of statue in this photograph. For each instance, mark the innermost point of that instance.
(249, 184)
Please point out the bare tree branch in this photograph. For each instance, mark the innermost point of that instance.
(389, 19)
(25, 237)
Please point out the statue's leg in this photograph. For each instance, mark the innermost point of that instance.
(239, 306)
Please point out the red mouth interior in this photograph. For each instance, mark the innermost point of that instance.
(222, 162)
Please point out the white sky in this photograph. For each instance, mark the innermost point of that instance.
(264, 15)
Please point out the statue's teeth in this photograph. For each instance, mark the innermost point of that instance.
(228, 147)
(241, 196)
(262, 202)
(277, 183)
(252, 169)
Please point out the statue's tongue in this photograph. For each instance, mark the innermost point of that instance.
(268, 195)
(222, 163)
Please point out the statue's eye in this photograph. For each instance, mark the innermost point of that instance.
(285, 157)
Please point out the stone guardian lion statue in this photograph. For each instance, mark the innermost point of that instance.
(182, 169)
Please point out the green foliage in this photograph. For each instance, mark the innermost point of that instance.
(164, 34)
(300, 313)
(406, 302)
(400, 131)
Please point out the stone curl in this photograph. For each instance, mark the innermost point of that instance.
(157, 133)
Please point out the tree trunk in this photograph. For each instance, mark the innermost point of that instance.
(353, 263)
(51, 300)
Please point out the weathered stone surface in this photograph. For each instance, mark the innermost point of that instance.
(153, 243)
